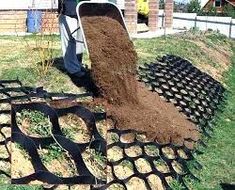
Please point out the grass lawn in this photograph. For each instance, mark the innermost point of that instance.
(218, 158)
(211, 52)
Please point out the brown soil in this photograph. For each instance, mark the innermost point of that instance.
(113, 59)
(130, 104)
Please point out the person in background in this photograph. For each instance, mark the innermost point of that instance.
(143, 11)
(71, 38)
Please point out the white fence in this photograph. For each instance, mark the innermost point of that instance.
(225, 25)
(233, 29)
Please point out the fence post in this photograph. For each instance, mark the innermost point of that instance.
(163, 18)
(195, 22)
(230, 28)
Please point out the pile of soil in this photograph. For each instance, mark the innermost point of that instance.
(113, 59)
(130, 104)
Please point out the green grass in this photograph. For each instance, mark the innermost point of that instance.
(170, 45)
(218, 158)
(22, 74)
(20, 187)
(188, 46)
(98, 158)
(38, 123)
(19, 58)
(151, 150)
(174, 184)
(54, 152)
(69, 133)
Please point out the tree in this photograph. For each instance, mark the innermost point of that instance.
(212, 11)
(229, 10)
(181, 7)
(194, 6)
(161, 4)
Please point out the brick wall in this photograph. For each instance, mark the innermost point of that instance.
(131, 16)
(15, 21)
(12, 21)
(153, 15)
(169, 5)
(50, 22)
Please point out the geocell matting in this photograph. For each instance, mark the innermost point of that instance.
(13, 93)
(31, 144)
(192, 91)
(162, 162)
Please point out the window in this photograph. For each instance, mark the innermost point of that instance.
(218, 3)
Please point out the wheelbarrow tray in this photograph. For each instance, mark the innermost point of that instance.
(106, 9)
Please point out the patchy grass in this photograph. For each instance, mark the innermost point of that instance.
(96, 162)
(198, 47)
(57, 160)
(20, 187)
(126, 163)
(54, 152)
(19, 57)
(218, 158)
(99, 158)
(34, 122)
(74, 128)
(151, 150)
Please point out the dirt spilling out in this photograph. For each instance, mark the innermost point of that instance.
(130, 104)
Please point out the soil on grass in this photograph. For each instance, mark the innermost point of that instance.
(96, 163)
(130, 104)
(74, 128)
(18, 157)
(34, 123)
(217, 55)
(55, 160)
(58, 161)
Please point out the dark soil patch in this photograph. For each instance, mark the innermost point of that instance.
(130, 105)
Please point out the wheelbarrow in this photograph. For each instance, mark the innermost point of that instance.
(107, 9)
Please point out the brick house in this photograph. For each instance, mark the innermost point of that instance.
(218, 4)
(13, 14)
